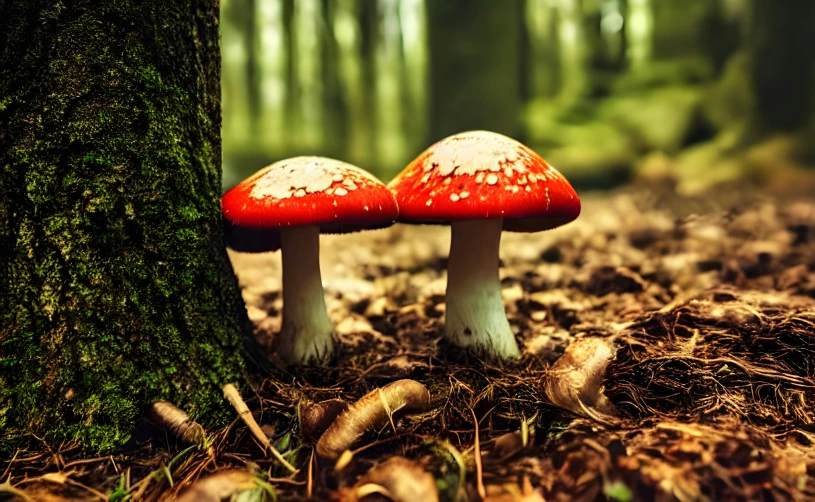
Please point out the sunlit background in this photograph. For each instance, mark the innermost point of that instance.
(700, 91)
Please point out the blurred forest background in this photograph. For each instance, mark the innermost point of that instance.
(695, 91)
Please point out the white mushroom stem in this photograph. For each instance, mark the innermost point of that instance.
(474, 315)
(306, 334)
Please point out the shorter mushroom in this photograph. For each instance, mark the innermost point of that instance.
(286, 206)
(481, 184)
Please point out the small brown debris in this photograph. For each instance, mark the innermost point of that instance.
(219, 486)
(576, 379)
(399, 479)
(315, 418)
(607, 280)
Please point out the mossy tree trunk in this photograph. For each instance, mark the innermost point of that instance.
(116, 288)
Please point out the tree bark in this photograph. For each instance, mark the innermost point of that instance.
(781, 42)
(467, 36)
(116, 288)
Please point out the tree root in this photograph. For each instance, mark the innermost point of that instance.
(175, 420)
(372, 411)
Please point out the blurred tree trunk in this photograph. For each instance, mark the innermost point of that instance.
(247, 12)
(639, 28)
(414, 73)
(544, 63)
(308, 25)
(292, 83)
(467, 36)
(335, 135)
(236, 71)
(272, 55)
(117, 290)
(574, 71)
(347, 25)
(782, 45)
(389, 89)
(368, 19)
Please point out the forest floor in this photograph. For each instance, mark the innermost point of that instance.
(699, 320)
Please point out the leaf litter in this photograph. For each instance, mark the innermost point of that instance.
(668, 354)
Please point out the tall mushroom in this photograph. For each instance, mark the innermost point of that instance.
(285, 206)
(481, 183)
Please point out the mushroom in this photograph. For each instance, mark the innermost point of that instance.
(285, 206)
(481, 183)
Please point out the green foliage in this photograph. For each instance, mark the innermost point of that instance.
(618, 491)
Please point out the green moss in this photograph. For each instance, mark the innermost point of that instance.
(120, 292)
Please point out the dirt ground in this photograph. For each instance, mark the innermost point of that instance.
(668, 354)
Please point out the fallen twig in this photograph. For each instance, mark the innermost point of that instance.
(479, 478)
(234, 397)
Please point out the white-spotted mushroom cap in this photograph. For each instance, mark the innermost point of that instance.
(479, 175)
(304, 191)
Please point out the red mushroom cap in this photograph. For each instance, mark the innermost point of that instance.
(304, 191)
(478, 175)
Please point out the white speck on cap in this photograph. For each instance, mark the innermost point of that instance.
(474, 152)
(301, 176)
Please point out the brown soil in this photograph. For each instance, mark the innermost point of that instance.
(707, 317)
